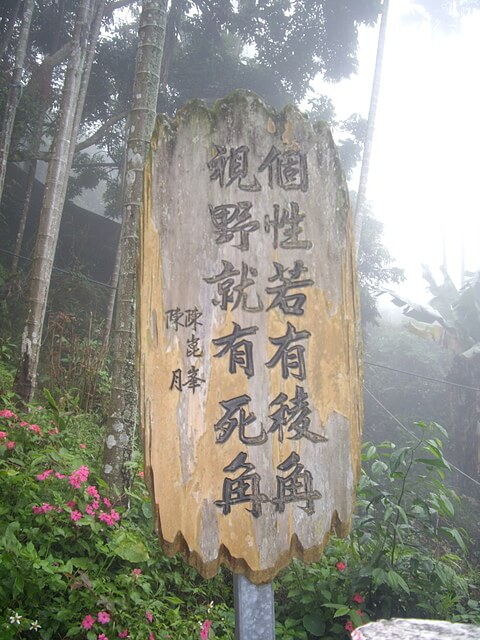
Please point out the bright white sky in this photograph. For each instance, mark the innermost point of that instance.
(425, 167)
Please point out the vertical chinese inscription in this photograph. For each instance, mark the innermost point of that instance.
(236, 286)
(246, 340)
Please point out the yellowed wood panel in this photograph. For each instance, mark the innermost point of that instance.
(251, 456)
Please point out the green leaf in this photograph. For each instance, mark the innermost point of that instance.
(440, 463)
(341, 611)
(147, 509)
(443, 505)
(378, 467)
(395, 580)
(51, 401)
(314, 624)
(81, 563)
(129, 547)
(455, 535)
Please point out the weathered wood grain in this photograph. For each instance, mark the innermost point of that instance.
(189, 442)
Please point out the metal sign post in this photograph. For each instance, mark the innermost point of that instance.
(254, 609)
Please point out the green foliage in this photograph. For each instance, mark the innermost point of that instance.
(75, 363)
(66, 552)
(7, 369)
(409, 398)
(375, 268)
(405, 557)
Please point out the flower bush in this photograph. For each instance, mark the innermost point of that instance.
(73, 564)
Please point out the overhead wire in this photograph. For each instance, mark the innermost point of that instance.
(419, 375)
(81, 276)
(411, 434)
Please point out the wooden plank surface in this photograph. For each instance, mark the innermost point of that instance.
(251, 402)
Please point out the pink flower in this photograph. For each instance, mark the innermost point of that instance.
(79, 476)
(95, 504)
(348, 626)
(141, 474)
(60, 476)
(3, 435)
(123, 634)
(88, 622)
(6, 413)
(358, 598)
(53, 431)
(23, 423)
(90, 510)
(136, 572)
(71, 504)
(102, 636)
(44, 475)
(360, 612)
(149, 616)
(109, 518)
(115, 516)
(107, 502)
(151, 636)
(93, 491)
(35, 428)
(103, 617)
(11, 445)
(76, 515)
(44, 508)
(82, 445)
(341, 566)
(205, 629)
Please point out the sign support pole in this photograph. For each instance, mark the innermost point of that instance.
(254, 609)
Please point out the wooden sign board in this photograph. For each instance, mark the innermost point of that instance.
(250, 387)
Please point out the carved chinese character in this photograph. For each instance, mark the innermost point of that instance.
(235, 417)
(193, 348)
(192, 317)
(231, 219)
(193, 379)
(237, 163)
(237, 294)
(294, 416)
(192, 382)
(291, 356)
(243, 489)
(176, 380)
(295, 487)
(290, 223)
(240, 351)
(291, 304)
(288, 170)
(174, 317)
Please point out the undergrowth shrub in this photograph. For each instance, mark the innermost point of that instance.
(404, 557)
(73, 564)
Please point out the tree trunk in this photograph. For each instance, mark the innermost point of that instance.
(32, 169)
(372, 113)
(121, 424)
(73, 96)
(5, 39)
(15, 90)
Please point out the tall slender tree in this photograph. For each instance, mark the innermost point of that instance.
(122, 419)
(360, 211)
(73, 95)
(15, 89)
